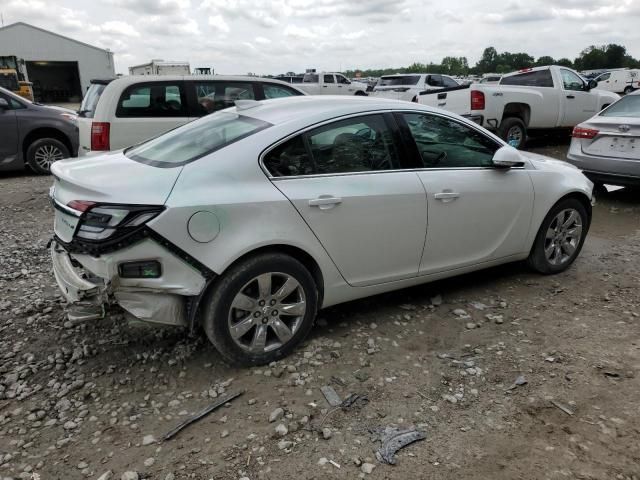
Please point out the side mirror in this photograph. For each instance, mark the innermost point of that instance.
(4, 105)
(507, 157)
(592, 84)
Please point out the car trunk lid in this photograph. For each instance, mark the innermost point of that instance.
(112, 178)
(617, 137)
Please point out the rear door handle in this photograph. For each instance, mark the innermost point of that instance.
(325, 202)
(446, 196)
(571, 96)
(442, 104)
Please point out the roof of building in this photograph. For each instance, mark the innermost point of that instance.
(23, 24)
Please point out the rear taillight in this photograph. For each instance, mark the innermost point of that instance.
(80, 205)
(415, 99)
(581, 132)
(477, 100)
(100, 136)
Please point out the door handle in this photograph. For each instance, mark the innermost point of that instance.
(571, 96)
(325, 202)
(442, 104)
(497, 94)
(446, 197)
(324, 86)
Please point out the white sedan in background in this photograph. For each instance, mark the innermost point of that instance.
(607, 146)
(251, 219)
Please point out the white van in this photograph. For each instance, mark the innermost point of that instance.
(619, 81)
(119, 113)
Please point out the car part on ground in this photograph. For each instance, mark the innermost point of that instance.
(250, 220)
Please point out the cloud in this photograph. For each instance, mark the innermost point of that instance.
(118, 28)
(218, 23)
(298, 32)
(152, 7)
(262, 40)
(595, 28)
(354, 35)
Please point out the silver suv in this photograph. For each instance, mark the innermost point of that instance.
(33, 134)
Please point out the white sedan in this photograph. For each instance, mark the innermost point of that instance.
(251, 219)
(607, 146)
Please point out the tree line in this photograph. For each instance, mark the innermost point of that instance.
(591, 58)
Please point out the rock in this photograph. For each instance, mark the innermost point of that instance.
(82, 465)
(436, 301)
(323, 461)
(224, 433)
(149, 462)
(148, 440)
(130, 476)
(327, 433)
(460, 312)
(284, 444)
(70, 425)
(169, 476)
(106, 475)
(450, 399)
(281, 430)
(471, 325)
(276, 415)
(367, 468)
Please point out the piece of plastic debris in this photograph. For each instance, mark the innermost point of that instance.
(330, 395)
(566, 410)
(393, 439)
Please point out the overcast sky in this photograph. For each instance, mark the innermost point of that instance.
(270, 37)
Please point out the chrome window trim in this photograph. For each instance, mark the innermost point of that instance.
(274, 145)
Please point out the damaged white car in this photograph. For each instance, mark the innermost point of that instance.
(250, 220)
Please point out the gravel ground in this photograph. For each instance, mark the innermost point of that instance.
(509, 374)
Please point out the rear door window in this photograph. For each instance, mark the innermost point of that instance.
(90, 100)
(218, 95)
(162, 99)
(272, 90)
(539, 78)
(328, 79)
(449, 82)
(435, 81)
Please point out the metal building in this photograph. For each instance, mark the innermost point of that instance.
(160, 67)
(59, 67)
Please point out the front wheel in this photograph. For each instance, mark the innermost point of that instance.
(628, 90)
(42, 153)
(560, 237)
(513, 131)
(260, 309)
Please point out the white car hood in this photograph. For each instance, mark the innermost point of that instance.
(112, 178)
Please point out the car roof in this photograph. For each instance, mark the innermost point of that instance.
(279, 111)
(133, 79)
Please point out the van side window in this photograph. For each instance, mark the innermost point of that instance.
(214, 96)
(159, 99)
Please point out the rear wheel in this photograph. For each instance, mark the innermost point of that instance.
(560, 237)
(42, 153)
(261, 309)
(628, 90)
(513, 131)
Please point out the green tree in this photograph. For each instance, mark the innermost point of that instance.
(565, 62)
(489, 61)
(545, 60)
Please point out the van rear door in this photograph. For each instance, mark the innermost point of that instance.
(87, 112)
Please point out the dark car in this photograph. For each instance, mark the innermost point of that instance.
(34, 135)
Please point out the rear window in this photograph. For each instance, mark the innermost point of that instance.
(195, 140)
(90, 100)
(310, 78)
(539, 78)
(399, 80)
(628, 106)
(158, 99)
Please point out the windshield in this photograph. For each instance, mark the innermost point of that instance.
(628, 106)
(399, 80)
(195, 140)
(90, 100)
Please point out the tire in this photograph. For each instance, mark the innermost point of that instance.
(43, 152)
(360, 93)
(559, 259)
(513, 131)
(628, 90)
(235, 300)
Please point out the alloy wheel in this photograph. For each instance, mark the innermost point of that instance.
(514, 136)
(267, 312)
(563, 236)
(46, 155)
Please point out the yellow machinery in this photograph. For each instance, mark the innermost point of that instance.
(13, 76)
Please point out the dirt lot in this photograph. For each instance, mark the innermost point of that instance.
(83, 401)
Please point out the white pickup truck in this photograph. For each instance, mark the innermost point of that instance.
(540, 98)
(407, 86)
(330, 83)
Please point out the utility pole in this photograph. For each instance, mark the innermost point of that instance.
(2, 18)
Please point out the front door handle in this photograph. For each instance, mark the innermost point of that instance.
(571, 96)
(446, 197)
(325, 202)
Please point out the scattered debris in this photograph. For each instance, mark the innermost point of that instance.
(565, 409)
(354, 400)
(201, 414)
(519, 382)
(393, 439)
(611, 374)
(335, 464)
(331, 396)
